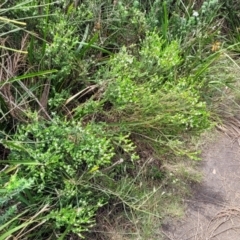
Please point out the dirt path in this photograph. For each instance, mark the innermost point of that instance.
(214, 211)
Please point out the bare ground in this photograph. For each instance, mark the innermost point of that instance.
(214, 211)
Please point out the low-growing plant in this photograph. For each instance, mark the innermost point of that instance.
(148, 98)
(196, 25)
(61, 160)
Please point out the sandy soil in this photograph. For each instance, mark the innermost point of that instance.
(214, 211)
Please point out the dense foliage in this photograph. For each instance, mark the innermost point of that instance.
(87, 88)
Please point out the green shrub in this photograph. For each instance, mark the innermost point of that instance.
(11, 189)
(155, 65)
(61, 160)
(149, 99)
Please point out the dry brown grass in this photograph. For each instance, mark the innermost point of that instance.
(11, 64)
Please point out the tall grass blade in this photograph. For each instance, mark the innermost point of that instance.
(29, 75)
(10, 221)
(6, 20)
(83, 39)
(165, 21)
(13, 50)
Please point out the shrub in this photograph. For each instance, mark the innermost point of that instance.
(148, 99)
(61, 160)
